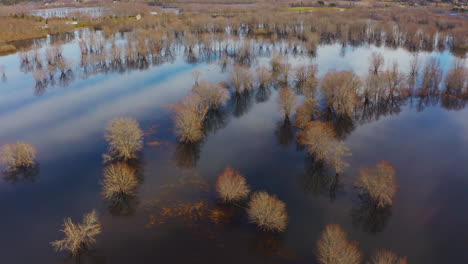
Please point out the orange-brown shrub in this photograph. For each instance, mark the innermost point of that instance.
(305, 112)
(387, 257)
(335, 248)
(188, 118)
(231, 186)
(287, 100)
(268, 212)
(379, 183)
(212, 95)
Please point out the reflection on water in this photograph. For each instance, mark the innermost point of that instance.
(60, 99)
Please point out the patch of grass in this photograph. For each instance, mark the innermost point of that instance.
(312, 8)
(7, 49)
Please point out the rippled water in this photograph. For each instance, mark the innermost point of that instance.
(175, 217)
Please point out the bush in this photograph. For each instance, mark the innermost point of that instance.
(340, 90)
(287, 101)
(335, 248)
(17, 155)
(125, 139)
(79, 237)
(387, 257)
(231, 186)
(119, 179)
(268, 212)
(306, 80)
(264, 76)
(379, 183)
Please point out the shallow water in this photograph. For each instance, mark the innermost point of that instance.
(427, 144)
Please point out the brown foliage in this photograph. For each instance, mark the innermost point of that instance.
(287, 100)
(231, 186)
(387, 257)
(125, 139)
(340, 90)
(264, 76)
(268, 212)
(189, 116)
(379, 183)
(305, 113)
(119, 179)
(17, 155)
(79, 237)
(212, 95)
(319, 138)
(335, 248)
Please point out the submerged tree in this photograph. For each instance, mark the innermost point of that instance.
(306, 113)
(125, 139)
(17, 155)
(212, 95)
(79, 237)
(231, 186)
(188, 117)
(268, 212)
(287, 101)
(335, 248)
(376, 61)
(340, 90)
(457, 78)
(387, 257)
(119, 179)
(319, 139)
(379, 183)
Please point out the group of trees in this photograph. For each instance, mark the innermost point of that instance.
(265, 210)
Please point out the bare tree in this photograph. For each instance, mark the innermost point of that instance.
(287, 101)
(79, 237)
(306, 112)
(231, 186)
(414, 65)
(17, 155)
(376, 61)
(379, 183)
(334, 247)
(387, 257)
(119, 179)
(340, 90)
(268, 212)
(125, 139)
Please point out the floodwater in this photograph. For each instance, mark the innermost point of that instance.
(67, 11)
(175, 218)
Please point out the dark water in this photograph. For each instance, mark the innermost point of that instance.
(175, 217)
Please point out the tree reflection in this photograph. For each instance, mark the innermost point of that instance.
(285, 132)
(319, 179)
(215, 120)
(22, 174)
(123, 205)
(370, 218)
(85, 257)
(186, 155)
(242, 103)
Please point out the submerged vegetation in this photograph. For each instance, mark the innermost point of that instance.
(79, 237)
(256, 51)
(231, 186)
(125, 139)
(17, 155)
(119, 180)
(268, 212)
(334, 247)
(379, 183)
